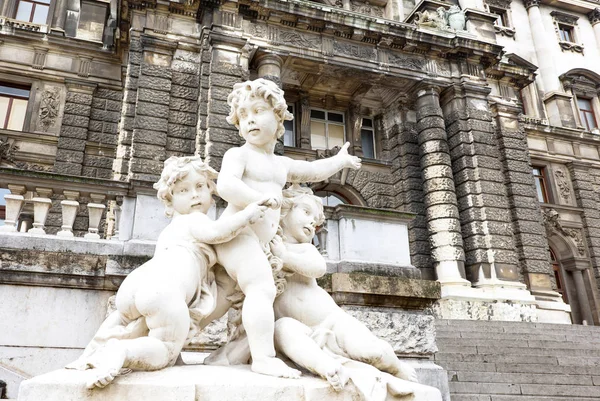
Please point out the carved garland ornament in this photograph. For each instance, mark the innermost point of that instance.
(554, 226)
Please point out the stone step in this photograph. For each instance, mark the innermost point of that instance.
(485, 342)
(496, 358)
(587, 331)
(494, 397)
(479, 335)
(588, 353)
(523, 368)
(525, 378)
(443, 324)
(547, 390)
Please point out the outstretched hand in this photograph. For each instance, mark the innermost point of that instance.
(349, 160)
(277, 247)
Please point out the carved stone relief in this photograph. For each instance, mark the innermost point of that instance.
(49, 108)
(353, 50)
(366, 8)
(554, 227)
(299, 40)
(577, 237)
(563, 185)
(404, 61)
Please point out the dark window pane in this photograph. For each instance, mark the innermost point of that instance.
(337, 117)
(367, 122)
(288, 136)
(91, 21)
(367, 143)
(317, 114)
(18, 92)
(40, 15)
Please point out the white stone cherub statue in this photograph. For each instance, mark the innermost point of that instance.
(311, 329)
(248, 174)
(158, 302)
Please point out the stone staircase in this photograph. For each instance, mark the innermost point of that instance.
(514, 361)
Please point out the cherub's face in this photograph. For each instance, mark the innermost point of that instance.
(301, 221)
(257, 121)
(191, 194)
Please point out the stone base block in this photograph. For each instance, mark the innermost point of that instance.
(510, 311)
(553, 312)
(195, 383)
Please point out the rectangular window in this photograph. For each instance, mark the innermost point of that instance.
(35, 11)
(13, 106)
(540, 184)
(289, 136)
(502, 19)
(367, 136)
(92, 18)
(327, 129)
(586, 113)
(566, 33)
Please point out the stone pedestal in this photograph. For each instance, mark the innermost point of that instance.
(192, 383)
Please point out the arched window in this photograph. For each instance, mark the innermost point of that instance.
(560, 286)
(331, 198)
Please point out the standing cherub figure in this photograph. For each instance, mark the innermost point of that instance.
(248, 174)
(312, 330)
(155, 303)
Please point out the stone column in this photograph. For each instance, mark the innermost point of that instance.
(491, 260)
(59, 17)
(440, 197)
(150, 124)
(269, 67)
(577, 267)
(74, 128)
(594, 17)
(584, 179)
(544, 43)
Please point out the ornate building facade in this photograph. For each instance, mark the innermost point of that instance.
(477, 123)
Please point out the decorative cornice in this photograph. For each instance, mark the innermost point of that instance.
(503, 4)
(564, 18)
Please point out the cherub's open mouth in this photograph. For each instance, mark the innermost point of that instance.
(308, 231)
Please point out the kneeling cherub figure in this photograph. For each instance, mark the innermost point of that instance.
(311, 329)
(152, 319)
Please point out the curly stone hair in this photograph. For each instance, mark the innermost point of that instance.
(259, 88)
(177, 168)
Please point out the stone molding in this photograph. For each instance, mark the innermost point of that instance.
(531, 3)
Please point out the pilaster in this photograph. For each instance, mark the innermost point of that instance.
(226, 69)
(150, 124)
(74, 128)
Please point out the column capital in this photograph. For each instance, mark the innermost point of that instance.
(269, 67)
(531, 3)
(594, 16)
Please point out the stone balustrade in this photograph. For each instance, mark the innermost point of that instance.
(40, 188)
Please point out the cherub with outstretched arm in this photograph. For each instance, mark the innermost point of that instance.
(152, 320)
(311, 329)
(248, 174)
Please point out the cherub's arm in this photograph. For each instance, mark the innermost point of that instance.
(303, 259)
(319, 170)
(230, 185)
(225, 228)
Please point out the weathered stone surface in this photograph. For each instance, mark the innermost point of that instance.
(71, 156)
(104, 115)
(183, 79)
(185, 146)
(75, 121)
(153, 96)
(181, 131)
(408, 333)
(189, 106)
(111, 94)
(480, 310)
(156, 83)
(184, 92)
(156, 71)
(150, 137)
(71, 144)
(153, 110)
(179, 117)
(151, 123)
(73, 132)
(147, 151)
(79, 98)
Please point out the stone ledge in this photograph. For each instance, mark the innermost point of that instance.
(368, 289)
(195, 383)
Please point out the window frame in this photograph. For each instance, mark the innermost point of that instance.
(583, 112)
(11, 102)
(558, 276)
(35, 3)
(327, 123)
(374, 139)
(504, 12)
(542, 178)
(564, 22)
(106, 15)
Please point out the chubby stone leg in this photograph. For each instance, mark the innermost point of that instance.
(293, 339)
(245, 261)
(362, 345)
(168, 322)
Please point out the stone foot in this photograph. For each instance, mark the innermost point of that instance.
(274, 367)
